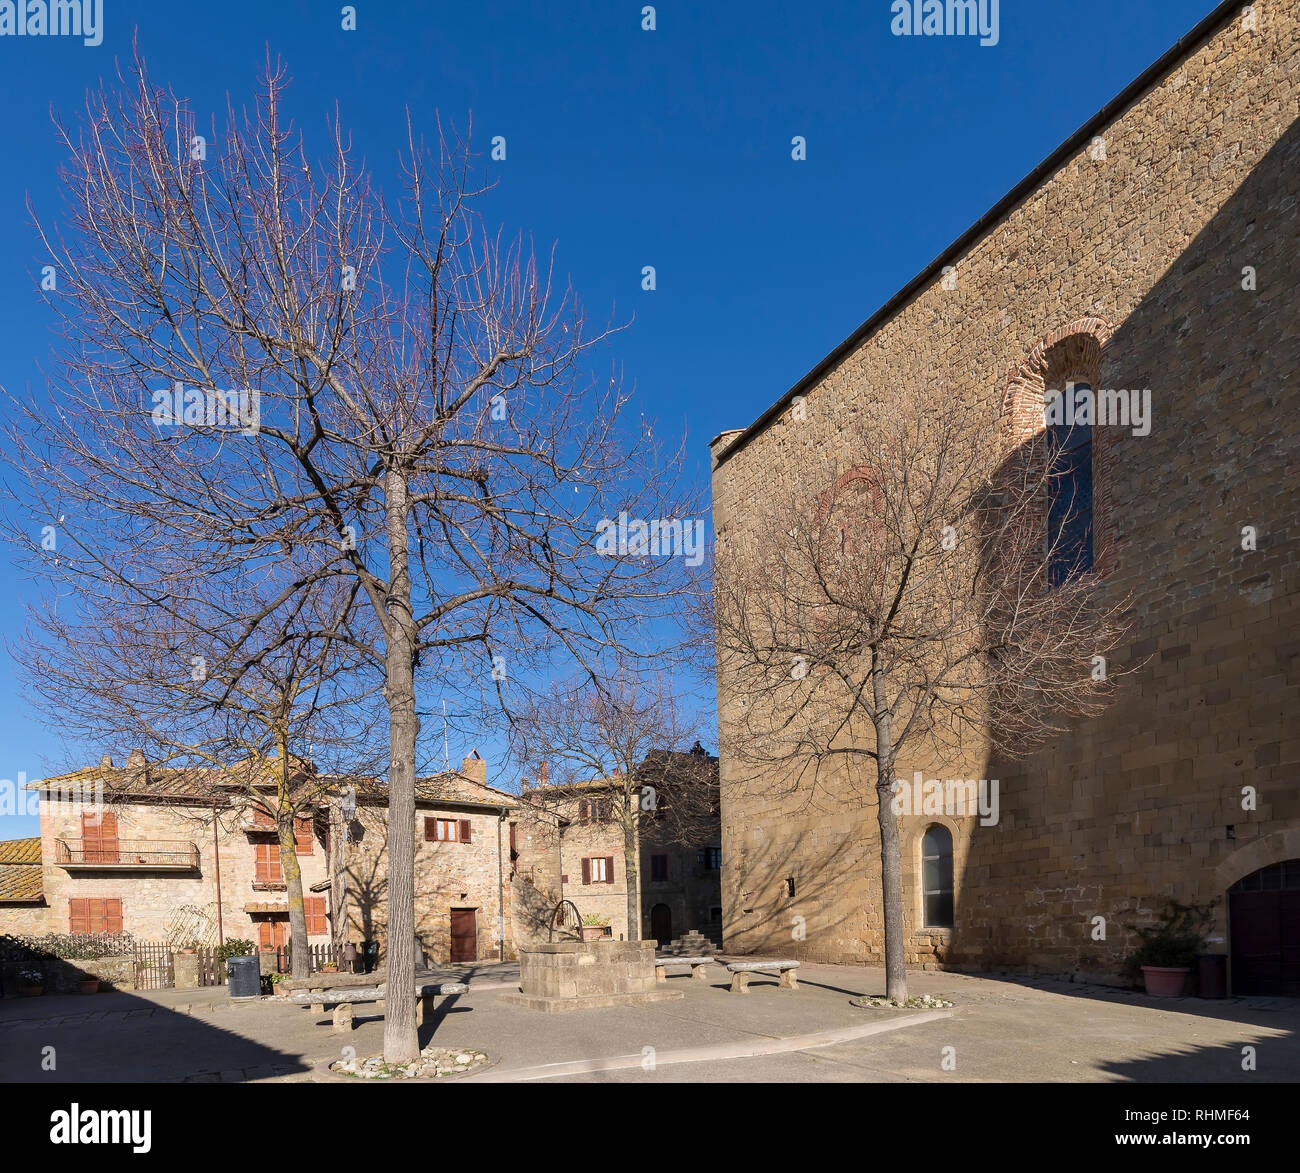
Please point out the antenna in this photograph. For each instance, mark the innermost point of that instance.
(446, 757)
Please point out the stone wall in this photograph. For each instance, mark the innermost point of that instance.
(1136, 257)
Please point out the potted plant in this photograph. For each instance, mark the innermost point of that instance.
(1168, 949)
(31, 983)
(594, 926)
(329, 967)
(88, 985)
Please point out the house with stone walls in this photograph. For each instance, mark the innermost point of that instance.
(677, 884)
(165, 855)
(1154, 249)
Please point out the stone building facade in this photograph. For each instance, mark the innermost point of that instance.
(132, 848)
(677, 886)
(1155, 249)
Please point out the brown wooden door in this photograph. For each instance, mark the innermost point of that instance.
(99, 837)
(1266, 943)
(661, 923)
(464, 935)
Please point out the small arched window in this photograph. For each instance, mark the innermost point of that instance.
(1069, 506)
(936, 876)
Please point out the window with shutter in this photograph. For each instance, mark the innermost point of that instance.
(268, 863)
(95, 915)
(302, 836)
(586, 871)
(112, 916)
(78, 916)
(99, 837)
(582, 812)
(514, 840)
(609, 869)
(464, 831)
(314, 908)
(441, 830)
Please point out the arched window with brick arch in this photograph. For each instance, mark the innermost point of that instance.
(1064, 371)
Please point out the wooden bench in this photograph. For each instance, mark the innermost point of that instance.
(697, 964)
(343, 999)
(740, 971)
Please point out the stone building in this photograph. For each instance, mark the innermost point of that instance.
(1156, 248)
(133, 849)
(677, 885)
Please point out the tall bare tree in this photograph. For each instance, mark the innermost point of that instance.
(262, 356)
(622, 741)
(256, 727)
(912, 603)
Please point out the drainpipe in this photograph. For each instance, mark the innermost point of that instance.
(216, 855)
(501, 888)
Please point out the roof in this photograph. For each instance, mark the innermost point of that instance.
(20, 850)
(1049, 166)
(148, 781)
(20, 872)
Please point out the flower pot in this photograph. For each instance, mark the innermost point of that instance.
(1165, 981)
(31, 991)
(593, 932)
(88, 986)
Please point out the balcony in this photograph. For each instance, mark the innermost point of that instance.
(126, 855)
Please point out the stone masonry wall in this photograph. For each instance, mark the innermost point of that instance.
(1138, 258)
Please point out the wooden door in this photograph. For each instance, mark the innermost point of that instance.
(464, 935)
(99, 837)
(661, 923)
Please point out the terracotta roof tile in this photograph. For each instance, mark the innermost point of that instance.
(20, 850)
(20, 883)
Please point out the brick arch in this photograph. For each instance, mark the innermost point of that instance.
(1073, 350)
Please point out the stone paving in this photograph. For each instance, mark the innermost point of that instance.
(1001, 1028)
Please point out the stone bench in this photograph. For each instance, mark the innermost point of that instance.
(740, 971)
(697, 964)
(343, 999)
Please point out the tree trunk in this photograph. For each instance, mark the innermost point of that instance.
(632, 867)
(891, 855)
(401, 1032)
(299, 957)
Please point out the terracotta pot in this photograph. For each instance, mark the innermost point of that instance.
(1165, 981)
(31, 991)
(593, 932)
(89, 986)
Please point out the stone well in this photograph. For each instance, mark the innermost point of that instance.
(578, 975)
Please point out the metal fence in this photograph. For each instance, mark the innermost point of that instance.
(212, 968)
(154, 965)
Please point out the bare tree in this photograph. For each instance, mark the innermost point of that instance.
(913, 604)
(619, 742)
(262, 356)
(256, 728)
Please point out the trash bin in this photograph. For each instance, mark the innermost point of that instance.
(351, 959)
(370, 955)
(1212, 969)
(244, 976)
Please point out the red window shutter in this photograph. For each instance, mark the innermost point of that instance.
(582, 811)
(78, 916)
(430, 830)
(586, 871)
(112, 916)
(609, 869)
(302, 836)
(464, 831)
(514, 842)
(268, 863)
(314, 907)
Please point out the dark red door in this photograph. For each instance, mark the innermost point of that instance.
(1264, 920)
(464, 935)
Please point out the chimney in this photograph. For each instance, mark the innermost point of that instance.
(475, 767)
(106, 762)
(543, 774)
(136, 760)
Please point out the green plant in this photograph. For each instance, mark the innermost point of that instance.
(234, 948)
(1173, 941)
(595, 919)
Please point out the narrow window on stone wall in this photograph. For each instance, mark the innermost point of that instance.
(658, 867)
(936, 876)
(1069, 507)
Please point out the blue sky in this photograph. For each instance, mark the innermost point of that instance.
(669, 148)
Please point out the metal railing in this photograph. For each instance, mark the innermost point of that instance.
(126, 853)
